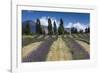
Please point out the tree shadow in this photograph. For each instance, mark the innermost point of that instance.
(41, 53)
(78, 52)
(28, 41)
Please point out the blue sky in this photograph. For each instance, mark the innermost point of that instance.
(69, 18)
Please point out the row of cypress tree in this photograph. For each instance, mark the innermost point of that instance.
(52, 30)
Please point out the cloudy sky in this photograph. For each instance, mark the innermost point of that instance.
(78, 20)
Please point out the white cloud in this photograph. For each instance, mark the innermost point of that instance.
(56, 21)
(69, 25)
(44, 21)
(77, 25)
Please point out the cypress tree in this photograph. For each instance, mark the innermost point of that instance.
(38, 27)
(27, 29)
(87, 30)
(50, 32)
(61, 27)
(55, 28)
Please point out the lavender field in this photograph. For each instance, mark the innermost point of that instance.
(55, 48)
(55, 36)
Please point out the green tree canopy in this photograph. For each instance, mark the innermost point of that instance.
(87, 30)
(50, 32)
(55, 28)
(61, 27)
(27, 29)
(38, 27)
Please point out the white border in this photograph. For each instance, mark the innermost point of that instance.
(17, 66)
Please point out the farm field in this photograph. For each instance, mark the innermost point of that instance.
(54, 36)
(39, 48)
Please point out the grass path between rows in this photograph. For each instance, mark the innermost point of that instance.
(26, 50)
(40, 54)
(77, 50)
(59, 51)
(85, 45)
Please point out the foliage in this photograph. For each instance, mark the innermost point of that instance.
(74, 30)
(61, 28)
(50, 32)
(55, 28)
(38, 27)
(87, 30)
(27, 29)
